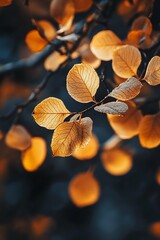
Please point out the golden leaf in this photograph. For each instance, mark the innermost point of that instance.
(4, 3)
(50, 113)
(115, 108)
(126, 60)
(127, 90)
(18, 138)
(149, 131)
(54, 60)
(89, 151)
(116, 161)
(33, 157)
(127, 126)
(84, 189)
(104, 43)
(152, 75)
(69, 136)
(82, 83)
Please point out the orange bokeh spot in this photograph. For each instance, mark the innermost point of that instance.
(4, 3)
(84, 189)
(33, 157)
(155, 229)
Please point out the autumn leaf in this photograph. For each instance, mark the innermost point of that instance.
(116, 161)
(18, 138)
(82, 5)
(84, 189)
(126, 60)
(115, 108)
(126, 126)
(33, 157)
(82, 83)
(142, 23)
(54, 60)
(69, 136)
(152, 75)
(104, 43)
(50, 113)
(4, 3)
(149, 131)
(127, 90)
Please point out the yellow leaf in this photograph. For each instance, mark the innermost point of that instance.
(82, 83)
(126, 126)
(152, 75)
(114, 108)
(127, 90)
(89, 151)
(69, 136)
(126, 60)
(104, 43)
(18, 138)
(116, 161)
(33, 157)
(84, 189)
(54, 60)
(50, 113)
(149, 131)
(4, 3)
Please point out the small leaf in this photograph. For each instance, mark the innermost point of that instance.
(127, 90)
(152, 75)
(4, 3)
(126, 60)
(149, 131)
(50, 113)
(84, 189)
(33, 157)
(127, 126)
(114, 108)
(104, 43)
(142, 23)
(54, 60)
(82, 83)
(18, 138)
(85, 131)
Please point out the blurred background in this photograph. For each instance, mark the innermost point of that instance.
(36, 205)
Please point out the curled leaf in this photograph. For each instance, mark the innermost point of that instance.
(82, 83)
(126, 60)
(114, 108)
(104, 43)
(50, 113)
(18, 138)
(84, 189)
(152, 75)
(126, 126)
(127, 90)
(149, 131)
(33, 157)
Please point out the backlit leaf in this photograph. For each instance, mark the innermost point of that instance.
(142, 23)
(84, 131)
(4, 3)
(54, 60)
(149, 131)
(50, 113)
(33, 157)
(126, 60)
(84, 189)
(104, 43)
(18, 138)
(127, 90)
(89, 151)
(116, 161)
(82, 83)
(115, 108)
(152, 75)
(126, 126)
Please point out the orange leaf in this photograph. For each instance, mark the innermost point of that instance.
(126, 60)
(127, 90)
(127, 126)
(142, 23)
(82, 83)
(54, 60)
(4, 3)
(104, 43)
(84, 189)
(50, 113)
(82, 5)
(116, 161)
(33, 157)
(149, 131)
(18, 138)
(152, 75)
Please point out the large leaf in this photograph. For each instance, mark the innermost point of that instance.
(152, 75)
